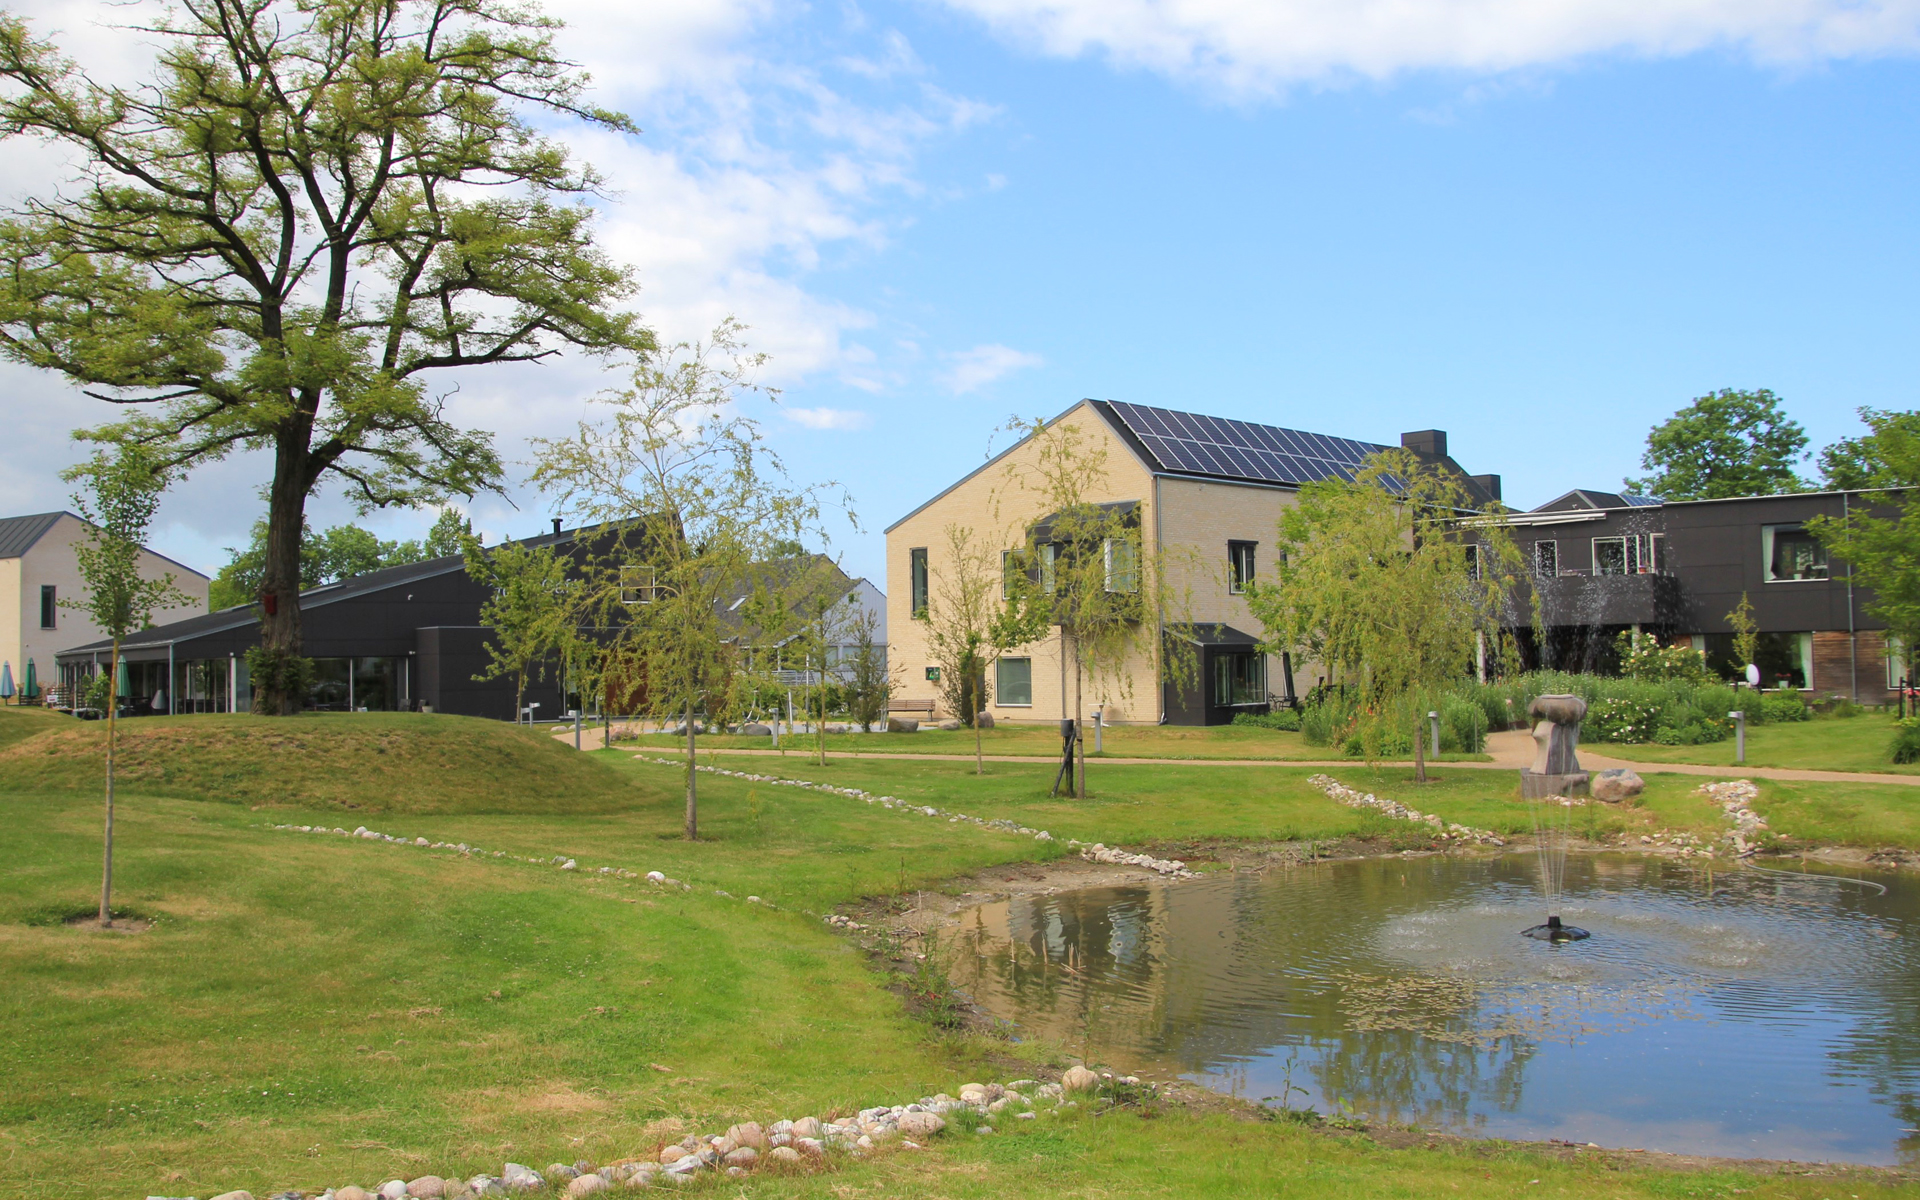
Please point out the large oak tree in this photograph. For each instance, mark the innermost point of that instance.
(277, 241)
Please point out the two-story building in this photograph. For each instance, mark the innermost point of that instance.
(1207, 493)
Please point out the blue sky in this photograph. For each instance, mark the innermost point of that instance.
(1540, 227)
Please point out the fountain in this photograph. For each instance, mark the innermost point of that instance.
(1548, 787)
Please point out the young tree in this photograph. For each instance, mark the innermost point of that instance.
(1091, 575)
(1746, 631)
(312, 208)
(869, 679)
(532, 612)
(693, 501)
(118, 496)
(1726, 443)
(1384, 581)
(1880, 541)
(960, 627)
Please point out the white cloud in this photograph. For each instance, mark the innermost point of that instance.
(1247, 48)
(982, 365)
(827, 418)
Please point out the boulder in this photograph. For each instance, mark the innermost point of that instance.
(785, 1156)
(921, 1125)
(673, 1154)
(983, 721)
(1616, 785)
(755, 729)
(427, 1187)
(394, 1189)
(1079, 1079)
(741, 1156)
(805, 1127)
(902, 725)
(749, 1133)
(952, 724)
(587, 1185)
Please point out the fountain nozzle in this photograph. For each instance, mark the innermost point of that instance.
(1555, 931)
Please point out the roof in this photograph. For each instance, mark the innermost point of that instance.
(1210, 633)
(18, 534)
(1182, 443)
(816, 577)
(1589, 498)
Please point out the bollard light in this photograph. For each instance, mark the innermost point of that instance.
(1433, 720)
(1739, 720)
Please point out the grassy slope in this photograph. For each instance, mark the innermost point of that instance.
(17, 723)
(311, 1010)
(1823, 744)
(371, 762)
(1043, 741)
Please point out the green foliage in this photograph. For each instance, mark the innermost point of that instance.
(964, 606)
(1784, 706)
(1881, 543)
(1674, 712)
(1906, 741)
(270, 668)
(117, 497)
(1650, 662)
(341, 552)
(869, 681)
(1726, 443)
(531, 613)
(1746, 632)
(1286, 720)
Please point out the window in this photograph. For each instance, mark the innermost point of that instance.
(1615, 555)
(49, 607)
(917, 568)
(1239, 566)
(933, 674)
(1239, 678)
(1015, 565)
(637, 585)
(1473, 560)
(1122, 565)
(1013, 682)
(1791, 553)
(1049, 569)
(1546, 558)
(1657, 553)
(1898, 669)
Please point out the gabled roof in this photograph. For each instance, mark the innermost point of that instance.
(18, 534)
(1590, 499)
(1171, 442)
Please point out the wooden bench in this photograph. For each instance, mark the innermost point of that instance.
(910, 706)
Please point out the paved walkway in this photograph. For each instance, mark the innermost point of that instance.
(1510, 751)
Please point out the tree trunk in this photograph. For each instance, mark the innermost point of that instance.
(113, 711)
(693, 799)
(280, 632)
(979, 759)
(1419, 749)
(1079, 724)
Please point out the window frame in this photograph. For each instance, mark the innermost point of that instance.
(1472, 550)
(49, 606)
(919, 580)
(1239, 574)
(1223, 672)
(1769, 541)
(645, 592)
(1000, 690)
(1126, 573)
(1629, 551)
(1552, 546)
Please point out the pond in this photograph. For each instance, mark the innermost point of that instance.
(1739, 1013)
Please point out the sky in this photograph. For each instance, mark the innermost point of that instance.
(1540, 225)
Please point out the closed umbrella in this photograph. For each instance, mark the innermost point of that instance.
(6, 681)
(123, 686)
(30, 688)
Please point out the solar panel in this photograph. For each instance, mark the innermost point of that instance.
(1202, 445)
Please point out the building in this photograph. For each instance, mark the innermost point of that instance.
(1207, 494)
(810, 583)
(1606, 563)
(39, 571)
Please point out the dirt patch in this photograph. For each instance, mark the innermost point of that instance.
(122, 925)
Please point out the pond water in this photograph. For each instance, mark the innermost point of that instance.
(1731, 1013)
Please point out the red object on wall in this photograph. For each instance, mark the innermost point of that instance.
(269, 602)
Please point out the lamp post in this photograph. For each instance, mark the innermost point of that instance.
(1433, 722)
(1739, 736)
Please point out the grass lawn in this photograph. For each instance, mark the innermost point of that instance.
(1043, 741)
(309, 1010)
(1821, 744)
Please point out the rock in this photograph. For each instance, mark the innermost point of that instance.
(234, 1196)
(587, 1185)
(952, 724)
(520, 1179)
(741, 1156)
(755, 729)
(673, 1154)
(1616, 785)
(427, 1187)
(786, 1156)
(806, 1127)
(351, 1192)
(1079, 1079)
(983, 721)
(902, 725)
(810, 1146)
(921, 1125)
(394, 1189)
(487, 1187)
(556, 1172)
(974, 1093)
(749, 1133)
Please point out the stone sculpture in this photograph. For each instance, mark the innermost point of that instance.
(1556, 736)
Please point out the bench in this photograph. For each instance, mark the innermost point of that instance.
(910, 706)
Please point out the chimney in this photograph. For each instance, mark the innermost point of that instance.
(1426, 441)
(1488, 483)
(556, 520)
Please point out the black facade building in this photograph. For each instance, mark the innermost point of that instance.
(1605, 562)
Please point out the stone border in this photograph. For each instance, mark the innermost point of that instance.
(1735, 798)
(1454, 831)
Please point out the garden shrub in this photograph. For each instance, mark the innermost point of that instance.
(1906, 741)
(1285, 719)
(1784, 706)
(1650, 662)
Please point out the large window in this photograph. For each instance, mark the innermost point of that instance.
(1239, 566)
(49, 606)
(1792, 554)
(917, 569)
(1898, 668)
(1546, 558)
(1239, 678)
(1615, 555)
(1473, 560)
(1122, 565)
(637, 586)
(1049, 569)
(1013, 682)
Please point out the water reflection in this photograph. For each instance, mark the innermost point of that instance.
(1727, 1013)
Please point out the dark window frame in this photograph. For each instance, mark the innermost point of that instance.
(1548, 564)
(1240, 573)
(918, 579)
(49, 606)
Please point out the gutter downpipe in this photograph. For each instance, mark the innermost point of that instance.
(173, 691)
(1160, 650)
(1853, 637)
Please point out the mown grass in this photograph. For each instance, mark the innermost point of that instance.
(1043, 741)
(310, 1010)
(21, 721)
(366, 762)
(1858, 743)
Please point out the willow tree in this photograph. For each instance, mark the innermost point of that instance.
(692, 507)
(1394, 581)
(309, 210)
